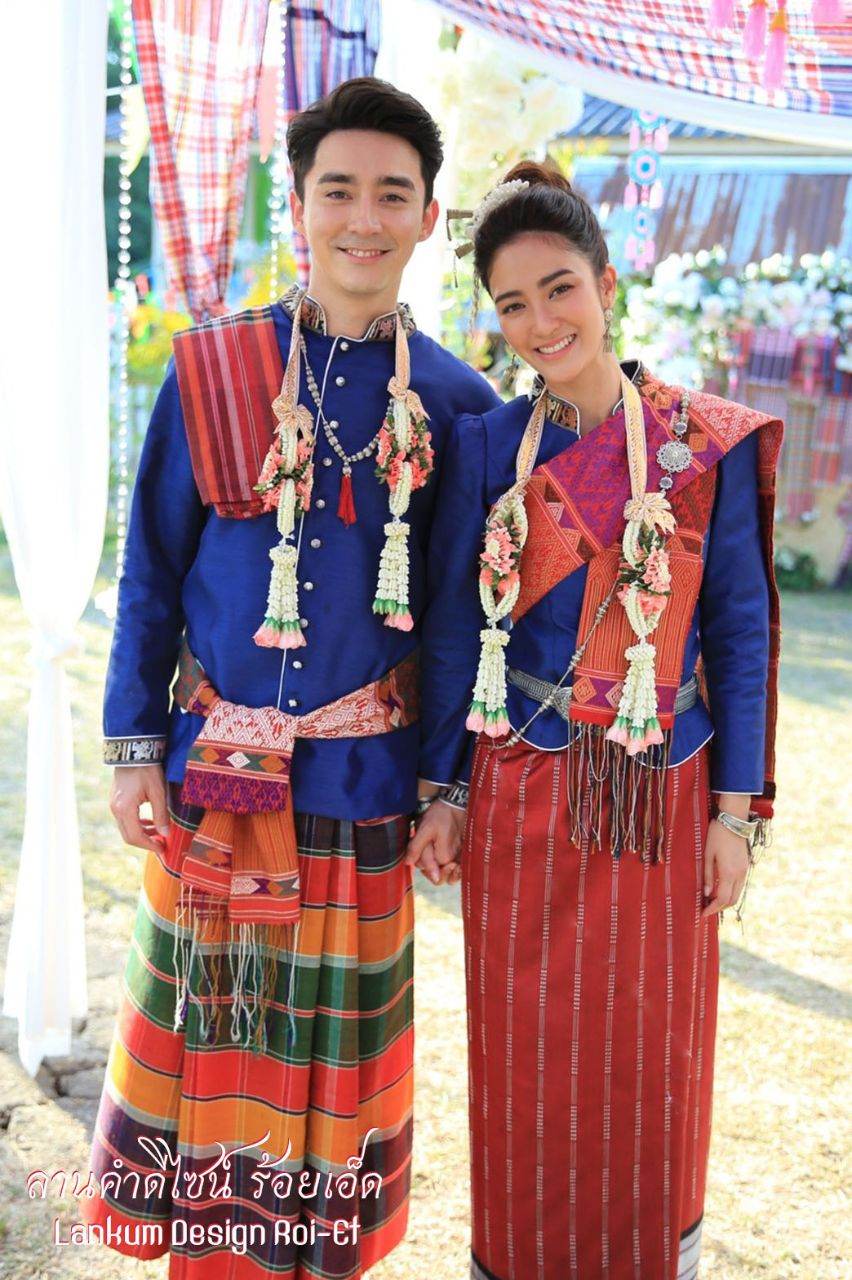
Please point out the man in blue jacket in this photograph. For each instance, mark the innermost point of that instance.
(286, 575)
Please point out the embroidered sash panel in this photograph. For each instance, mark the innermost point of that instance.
(575, 508)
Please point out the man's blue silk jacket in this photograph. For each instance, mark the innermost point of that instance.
(187, 567)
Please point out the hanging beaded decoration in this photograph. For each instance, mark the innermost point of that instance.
(278, 167)
(123, 287)
(346, 498)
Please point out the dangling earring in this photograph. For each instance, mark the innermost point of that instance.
(607, 337)
(474, 306)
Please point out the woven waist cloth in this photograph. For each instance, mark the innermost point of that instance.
(240, 875)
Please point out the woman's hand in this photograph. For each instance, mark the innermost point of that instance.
(436, 844)
(726, 863)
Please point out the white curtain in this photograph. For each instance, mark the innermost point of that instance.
(54, 433)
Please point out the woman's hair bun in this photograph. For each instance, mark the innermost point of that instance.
(538, 175)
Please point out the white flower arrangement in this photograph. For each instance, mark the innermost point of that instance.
(687, 319)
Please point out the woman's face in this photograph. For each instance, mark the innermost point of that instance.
(550, 304)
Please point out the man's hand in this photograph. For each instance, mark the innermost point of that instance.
(436, 844)
(133, 786)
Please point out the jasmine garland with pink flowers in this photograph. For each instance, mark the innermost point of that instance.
(604, 547)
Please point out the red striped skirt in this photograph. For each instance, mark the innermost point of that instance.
(591, 989)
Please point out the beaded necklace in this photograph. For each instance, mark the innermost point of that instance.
(404, 463)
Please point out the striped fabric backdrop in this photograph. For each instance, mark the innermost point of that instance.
(668, 43)
(199, 66)
(311, 1103)
(327, 42)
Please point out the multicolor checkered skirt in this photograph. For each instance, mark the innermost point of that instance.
(591, 985)
(294, 1161)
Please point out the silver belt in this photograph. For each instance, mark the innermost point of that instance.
(543, 691)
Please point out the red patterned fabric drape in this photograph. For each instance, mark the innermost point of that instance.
(199, 62)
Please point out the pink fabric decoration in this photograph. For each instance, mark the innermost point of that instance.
(721, 14)
(661, 137)
(655, 199)
(776, 51)
(827, 13)
(754, 35)
(631, 195)
(634, 135)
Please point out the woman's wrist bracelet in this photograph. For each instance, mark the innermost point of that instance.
(747, 828)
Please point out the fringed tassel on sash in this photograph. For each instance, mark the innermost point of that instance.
(236, 967)
(617, 800)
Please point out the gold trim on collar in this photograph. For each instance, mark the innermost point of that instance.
(382, 329)
(564, 413)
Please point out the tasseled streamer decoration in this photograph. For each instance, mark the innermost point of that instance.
(346, 500)
(235, 971)
(392, 590)
(721, 14)
(827, 13)
(776, 50)
(631, 195)
(616, 800)
(754, 33)
(488, 712)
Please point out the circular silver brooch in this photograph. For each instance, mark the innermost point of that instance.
(674, 455)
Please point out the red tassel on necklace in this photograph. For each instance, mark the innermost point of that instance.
(346, 501)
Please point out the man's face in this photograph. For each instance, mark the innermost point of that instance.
(363, 211)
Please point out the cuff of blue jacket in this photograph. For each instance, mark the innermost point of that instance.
(137, 750)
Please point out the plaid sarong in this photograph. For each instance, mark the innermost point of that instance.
(341, 1092)
(199, 66)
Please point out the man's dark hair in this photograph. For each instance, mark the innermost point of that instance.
(364, 103)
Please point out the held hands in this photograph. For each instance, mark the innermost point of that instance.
(436, 844)
(133, 786)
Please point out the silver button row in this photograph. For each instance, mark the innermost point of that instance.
(344, 346)
(315, 543)
(320, 503)
(297, 663)
(340, 380)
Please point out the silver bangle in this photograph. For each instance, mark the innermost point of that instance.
(456, 795)
(747, 828)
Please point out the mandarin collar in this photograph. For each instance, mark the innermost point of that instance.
(382, 329)
(564, 413)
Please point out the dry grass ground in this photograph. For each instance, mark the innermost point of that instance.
(776, 1207)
